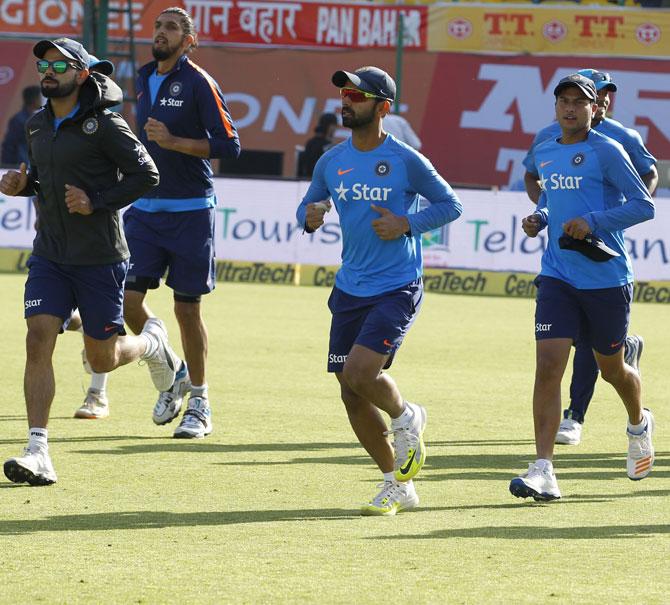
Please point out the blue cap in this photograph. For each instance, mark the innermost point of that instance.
(368, 79)
(582, 82)
(599, 78)
(102, 66)
(69, 48)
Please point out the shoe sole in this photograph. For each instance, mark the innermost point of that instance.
(18, 474)
(520, 490)
(561, 441)
(169, 420)
(186, 435)
(375, 512)
(652, 424)
(89, 416)
(414, 471)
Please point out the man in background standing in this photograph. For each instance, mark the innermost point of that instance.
(14, 145)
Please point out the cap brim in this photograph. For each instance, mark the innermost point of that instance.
(340, 79)
(606, 85)
(591, 246)
(588, 93)
(104, 67)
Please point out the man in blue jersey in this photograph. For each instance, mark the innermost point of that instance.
(183, 121)
(591, 193)
(374, 182)
(585, 368)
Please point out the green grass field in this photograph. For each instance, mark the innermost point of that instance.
(265, 510)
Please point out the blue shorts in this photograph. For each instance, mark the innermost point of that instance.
(180, 242)
(55, 289)
(599, 317)
(377, 322)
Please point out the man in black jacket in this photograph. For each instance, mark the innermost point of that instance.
(85, 165)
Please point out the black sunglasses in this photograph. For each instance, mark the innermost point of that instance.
(60, 66)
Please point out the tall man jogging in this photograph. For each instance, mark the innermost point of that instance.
(375, 182)
(183, 120)
(592, 193)
(85, 164)
(585, 368)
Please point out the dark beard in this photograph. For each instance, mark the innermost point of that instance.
(163, 54)
(352, 121)
(62, 90)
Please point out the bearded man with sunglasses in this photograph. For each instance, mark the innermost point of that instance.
(585, 369)
(375, 182)
(85, 164)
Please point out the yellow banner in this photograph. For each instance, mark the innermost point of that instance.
(442, 281)
(615, 32)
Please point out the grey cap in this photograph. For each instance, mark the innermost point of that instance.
(368, 79)
(102, 66)
(584, 84)
(67, 47)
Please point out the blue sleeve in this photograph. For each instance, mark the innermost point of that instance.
(619, 171)
(223, 139)
(317, 192)
(639, 155)
(444, 203)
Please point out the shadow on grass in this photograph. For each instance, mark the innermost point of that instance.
(86, 439)
(539, 533)
(162, 519)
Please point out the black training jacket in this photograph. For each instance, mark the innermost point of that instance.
(96, 151)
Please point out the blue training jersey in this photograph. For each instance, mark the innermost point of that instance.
(630, 140)
(392, 176)
(594, 180)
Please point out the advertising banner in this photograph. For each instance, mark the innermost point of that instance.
(234, 22)
(255, 221)
(554, 30)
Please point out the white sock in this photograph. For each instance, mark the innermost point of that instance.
(99, 381)
(545, 464)
(37, 439)
(405, 418)
(638, 429)
(389, 476)
(199, 391)
(152, 346)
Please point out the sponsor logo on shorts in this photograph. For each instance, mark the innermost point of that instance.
(110, 328)
(36, 302)
(332, 358)
(387, 343)
(543, 327)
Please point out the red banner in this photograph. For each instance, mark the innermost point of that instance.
(236, 22)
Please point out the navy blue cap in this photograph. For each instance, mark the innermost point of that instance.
(67, 47)
(102, 66)
(591, 246)
(582, 82)
(368, 79)
(599, 78)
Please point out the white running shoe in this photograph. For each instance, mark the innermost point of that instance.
(633, 351)
(197, 420)
(393, 498)
(410, 451)
(84, 360)
(569, 432)
(538, 483)
(164, 362)
(96, 405)
(34, 467)
(641, 450)
(168, 406)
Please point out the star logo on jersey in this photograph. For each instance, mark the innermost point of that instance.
(142, 155)
(163, 101)
(543, 183)
(341, 192)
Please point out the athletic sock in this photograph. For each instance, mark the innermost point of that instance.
(405, 418)
(544, 464)
(389, 476)
(638, 429)
(199, 391)
(37, 439)
(99, 381)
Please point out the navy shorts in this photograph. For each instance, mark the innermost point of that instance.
(599, 317)
(56, 289)
(377, 322)
(180, 242)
